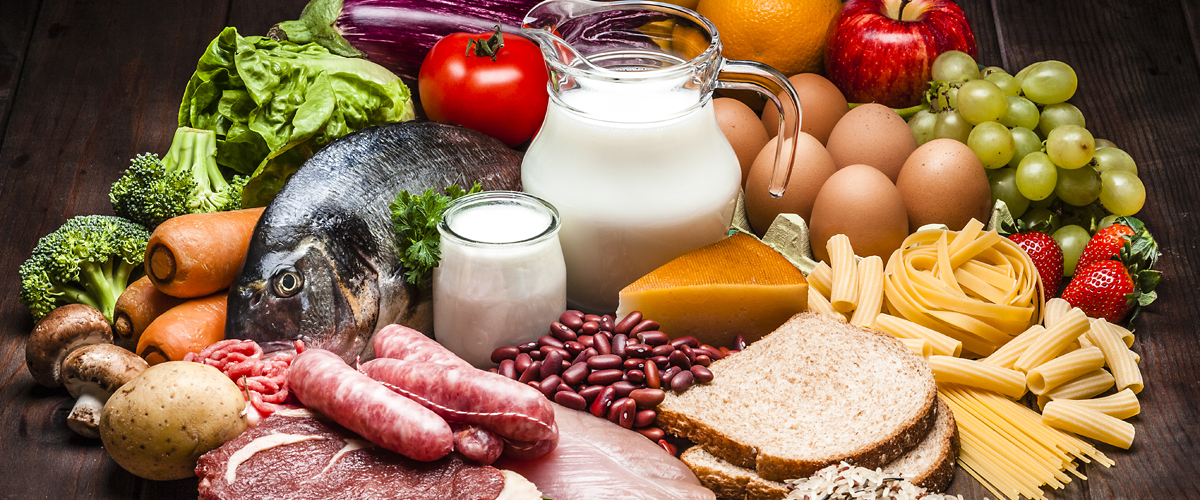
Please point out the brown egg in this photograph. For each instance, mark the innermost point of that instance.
(810, 169)
(943, 182)
(743, 130)
(872, 134)
(821, 106)
(860, 202)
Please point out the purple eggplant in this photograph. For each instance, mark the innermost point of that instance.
(397, 34)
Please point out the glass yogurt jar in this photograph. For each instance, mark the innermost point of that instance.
(502, 279)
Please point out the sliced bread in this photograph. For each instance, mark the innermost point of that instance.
(930, 465)
(812, 393)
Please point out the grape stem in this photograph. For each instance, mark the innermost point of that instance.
(904, 113)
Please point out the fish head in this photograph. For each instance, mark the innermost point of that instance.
(314, 286)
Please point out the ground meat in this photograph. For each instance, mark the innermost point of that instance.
(263, 381)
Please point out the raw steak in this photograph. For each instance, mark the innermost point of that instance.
(296, 456)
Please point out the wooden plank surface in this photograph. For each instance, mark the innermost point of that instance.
(86, 85)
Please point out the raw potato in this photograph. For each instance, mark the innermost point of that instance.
(159, 424)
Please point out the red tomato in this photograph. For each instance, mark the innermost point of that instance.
(504, 97)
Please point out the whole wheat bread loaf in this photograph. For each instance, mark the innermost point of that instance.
(930, 465)
(812, 393)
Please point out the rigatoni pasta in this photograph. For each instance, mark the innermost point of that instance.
(820, 305)
(1088, 423)
(1056, 338)
(870, 291)
(1007, 354)
(1062, 369)
(843, 293)
(1124, 369)
(920, 347)
(821, 278)
(1121, 405)
(902, 328)
(1086, 386)
(952, 370)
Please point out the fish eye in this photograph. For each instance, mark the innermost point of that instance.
(288, 283)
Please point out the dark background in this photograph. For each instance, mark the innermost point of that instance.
(85, 85)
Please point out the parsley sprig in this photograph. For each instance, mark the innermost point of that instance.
(415, 219)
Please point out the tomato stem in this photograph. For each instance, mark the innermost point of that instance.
(486, 48)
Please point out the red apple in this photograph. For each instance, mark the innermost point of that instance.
(883, 50)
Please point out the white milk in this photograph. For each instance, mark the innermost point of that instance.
(634, 190)
(501, 280)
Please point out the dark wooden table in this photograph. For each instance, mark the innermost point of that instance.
(85, 85)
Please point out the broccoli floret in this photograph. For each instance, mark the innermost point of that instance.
(186, 181)
(89, 260)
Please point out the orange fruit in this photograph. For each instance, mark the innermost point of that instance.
(788, 35)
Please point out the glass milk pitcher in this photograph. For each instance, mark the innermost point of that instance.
(630, 151)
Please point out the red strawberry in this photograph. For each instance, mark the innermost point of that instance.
(1108, 243)
(1046, 255)
(1105, 289)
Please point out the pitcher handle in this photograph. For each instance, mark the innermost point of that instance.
(750, 75)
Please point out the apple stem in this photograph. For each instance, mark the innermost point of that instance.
(903, 4)
(904, 113)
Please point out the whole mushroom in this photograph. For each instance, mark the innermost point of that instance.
(57, 334)
(93, 373)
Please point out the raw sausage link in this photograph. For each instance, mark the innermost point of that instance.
(325, 383)
(531, 450)
(477, 443)
(402, 342)
(464, 394)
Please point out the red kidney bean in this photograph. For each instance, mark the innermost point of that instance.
(573, 348)
(652, 433)
(552, 365)
(653, 337)
(644, 418)
(605, 377)
(702, 374)
(603, 401)
(689, 352)
(606, 323)
(614, 411)
(508, 368)
(602, 345)
(528, 346)
(653, 378)
(667, 446)
(739, 343)
(625, 325)
(633, 364)
(549, 340)
(537, 355)
(713, 352)
(604, 362)
(638, 350)
(687, 340)
(584, 356)
(576, 374)
(648, 398)
(644, 325)
(571, 400)
(561, 350)
(550, 385)
(660, 361)
(617, 344)
(590, 392)
(662, 350)
(681, 381)
(492, 370)
(571, 320)
(531, 373)
(562, 332)
(522, 362)
(678, 358)
(589, 328)
(703, 360)
(628, 414)
(595, 318)
(636, 376)
(586, 340)
(724, 351)
(534, 384)
(503, 353)
(624, 387)
(666, 376)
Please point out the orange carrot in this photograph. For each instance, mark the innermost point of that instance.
(198, 254)
(187, 327)
(137, 306)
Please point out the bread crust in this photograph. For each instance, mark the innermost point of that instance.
(676, 416)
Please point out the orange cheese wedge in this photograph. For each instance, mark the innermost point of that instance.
(738, 285)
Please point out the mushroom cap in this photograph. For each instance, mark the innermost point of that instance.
(59, 332)
(106, 366)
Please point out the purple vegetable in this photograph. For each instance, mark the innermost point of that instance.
(397, 34)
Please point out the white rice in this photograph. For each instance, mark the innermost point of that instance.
(847, 482)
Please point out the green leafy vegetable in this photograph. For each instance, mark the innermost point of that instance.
(186, 181)
(273, 104)
(415, 219)
(88, 260)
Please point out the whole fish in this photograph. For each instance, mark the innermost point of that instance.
(322, 265)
